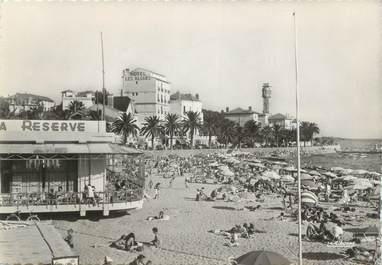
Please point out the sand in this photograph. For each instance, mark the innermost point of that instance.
(185, 237)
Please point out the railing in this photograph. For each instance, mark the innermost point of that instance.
(69, 198)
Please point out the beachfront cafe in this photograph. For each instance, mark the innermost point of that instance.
(66, 166)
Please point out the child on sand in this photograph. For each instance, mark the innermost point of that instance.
(155, 241)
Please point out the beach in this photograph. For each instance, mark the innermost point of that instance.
(185, 237)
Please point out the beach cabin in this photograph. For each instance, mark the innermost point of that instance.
(66, 166)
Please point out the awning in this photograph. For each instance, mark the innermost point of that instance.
(88, 148)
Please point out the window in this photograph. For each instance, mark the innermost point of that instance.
(136, 93)
(161, 109)
(136, 82)
(158, 98)
(161, 98)
(184, 109)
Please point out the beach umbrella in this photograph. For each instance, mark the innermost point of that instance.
(227, 188)
(309, 184)
(306, 177)
(374, 174)
(290, 168)
(262, 257)
(346, 171)
(360, 172)
(309, 197)
(271, 175)
(287, 178)
(314, 173)
(214, 164)
(329, 174)
(337, 169)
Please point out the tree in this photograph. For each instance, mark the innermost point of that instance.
(252, 130)
(75, 106)
(152, 128)
(227, 132)
(267, 134)
(192, 123)
(210, 126)
(304, 131)
(240, 134)
(125, 125)
(171, 126)
(277, 132)
(4, 109)
(312, 130)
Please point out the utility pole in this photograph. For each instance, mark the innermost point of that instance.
(103, 82)
(298, 144)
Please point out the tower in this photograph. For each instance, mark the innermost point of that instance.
(266, 96)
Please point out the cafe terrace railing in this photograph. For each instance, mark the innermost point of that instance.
(69, 198)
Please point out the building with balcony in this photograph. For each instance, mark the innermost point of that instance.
(25, 102)
(181, 103)
(285, 121)
(241, 116)
(149, 91)
(50, 166)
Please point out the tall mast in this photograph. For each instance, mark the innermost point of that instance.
(298, 143)
(103, 83)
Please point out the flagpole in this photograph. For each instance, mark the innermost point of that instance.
(298, 144)
(103, 82)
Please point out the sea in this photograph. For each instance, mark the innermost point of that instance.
(370, 162)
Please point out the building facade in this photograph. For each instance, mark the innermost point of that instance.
(180, 104)
(285, 121)
(149, 91)
(87, 98)
(241, 116)
(25, 102)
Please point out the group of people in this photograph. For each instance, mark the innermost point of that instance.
(245, 231)
(128, 242)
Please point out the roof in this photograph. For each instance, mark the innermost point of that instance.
(146, 70)
(277, 116)
(182, 96)
(240, 111)
(121, 103)
(26, 96)
(86, 148)
(84, 93)
(110, 113)
(67, 90)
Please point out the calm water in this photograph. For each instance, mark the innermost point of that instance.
(371, 162)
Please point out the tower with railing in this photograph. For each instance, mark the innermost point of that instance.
(266, 93)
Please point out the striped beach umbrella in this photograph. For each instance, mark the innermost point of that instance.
(309, 197)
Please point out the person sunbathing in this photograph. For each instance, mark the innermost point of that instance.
(127, 242)
(233, 242)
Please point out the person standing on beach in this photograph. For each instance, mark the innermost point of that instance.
(156, 188)
(151, 184)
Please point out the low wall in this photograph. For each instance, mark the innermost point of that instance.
(188, 152)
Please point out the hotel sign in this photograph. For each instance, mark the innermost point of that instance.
(52, 126)
(137, 76)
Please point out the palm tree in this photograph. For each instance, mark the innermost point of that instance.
(267, 134)
(152, 127)
(192, 123)
(312, 130)
(75, 106)
(240, 134)
(304, 131)
(277, 132)
(252, 129)
(125, 126)
(210, 124)
(171, 125)
(227, 132)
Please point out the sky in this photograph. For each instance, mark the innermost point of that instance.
(224, 51)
